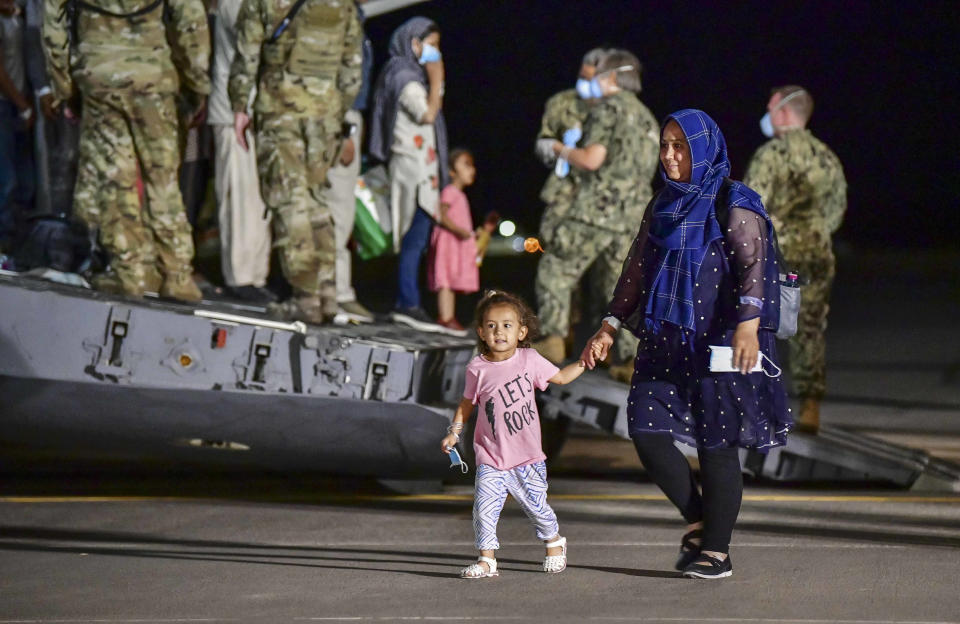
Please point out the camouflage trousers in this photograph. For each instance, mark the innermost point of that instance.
(808, 346)
(575, 248)
(554, 214)
(293, 156)
(123, 134)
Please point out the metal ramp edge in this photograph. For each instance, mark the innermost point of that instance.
(832, 455)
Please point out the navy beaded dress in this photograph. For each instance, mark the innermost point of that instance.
(672, 389)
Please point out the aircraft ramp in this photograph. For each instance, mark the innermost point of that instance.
(833, 455)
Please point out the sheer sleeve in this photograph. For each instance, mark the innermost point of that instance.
(627, 295)
(746, 238)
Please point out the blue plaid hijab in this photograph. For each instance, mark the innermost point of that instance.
(683, 220)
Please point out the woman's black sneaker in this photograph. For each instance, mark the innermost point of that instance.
(689, 550)
(707, 567)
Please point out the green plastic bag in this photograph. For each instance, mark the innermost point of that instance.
(371, 240)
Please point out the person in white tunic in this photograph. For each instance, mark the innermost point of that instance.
(244, 221)
(409, 133)
(342, 177)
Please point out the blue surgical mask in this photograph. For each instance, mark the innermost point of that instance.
(429, 54)
(589, 89)
(766, 126)
(583, 88)
(456, 460)
(596, 91)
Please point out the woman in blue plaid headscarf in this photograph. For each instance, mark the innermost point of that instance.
(698, 277)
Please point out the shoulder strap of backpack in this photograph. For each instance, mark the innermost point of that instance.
(71, 9)
(95, 9)
(286, 20)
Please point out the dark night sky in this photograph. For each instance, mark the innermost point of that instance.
(884, 78)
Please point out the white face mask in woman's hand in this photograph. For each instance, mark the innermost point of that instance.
(721, 361)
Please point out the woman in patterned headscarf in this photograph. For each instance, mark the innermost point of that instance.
(695, 278)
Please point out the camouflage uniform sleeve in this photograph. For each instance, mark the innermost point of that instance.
(56, 46)
(350, 76)
(250, 36)
(189, 39)
(600, 126)
(761, 176)
(550, 123)
(835, 204)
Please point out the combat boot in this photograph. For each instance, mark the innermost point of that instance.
(131, 279)
(809, 421)
(152, 281)
(180, 286)
(329, 307)
(552, 348)
(110, 283)
(306, 308)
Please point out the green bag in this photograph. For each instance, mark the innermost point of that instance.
(371, 240)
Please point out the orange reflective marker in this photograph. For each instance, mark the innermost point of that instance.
(532, 245)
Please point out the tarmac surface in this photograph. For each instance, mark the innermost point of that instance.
(286, 551)
(126, 543)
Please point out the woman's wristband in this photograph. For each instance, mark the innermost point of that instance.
(611, 322)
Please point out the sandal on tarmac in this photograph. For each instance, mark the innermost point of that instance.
(689, 550)
(707, 567)
(477, 571)
(552, 564)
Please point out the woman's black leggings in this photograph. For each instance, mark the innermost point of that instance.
(718, 506)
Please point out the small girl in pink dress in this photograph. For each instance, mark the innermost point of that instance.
(452, 264)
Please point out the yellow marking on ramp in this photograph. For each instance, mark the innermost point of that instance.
(779, 498)
(92, 499)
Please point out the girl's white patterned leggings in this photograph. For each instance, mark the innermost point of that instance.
(527, 485)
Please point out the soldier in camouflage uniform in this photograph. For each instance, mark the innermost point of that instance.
(803, 188)
(564, 111)
(615, 169)
(129, 59)
(308, 77)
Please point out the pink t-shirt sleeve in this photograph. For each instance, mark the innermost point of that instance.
(470, 387)
(542, 369)
(449, 194)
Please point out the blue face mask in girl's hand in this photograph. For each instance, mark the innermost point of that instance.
(429, 54)
(589, 89)
(456, 460)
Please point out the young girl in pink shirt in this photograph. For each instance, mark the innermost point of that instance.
(452, 263)
(501, 380)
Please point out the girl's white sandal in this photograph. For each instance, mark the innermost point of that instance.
(476, 571)
(552, 564)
